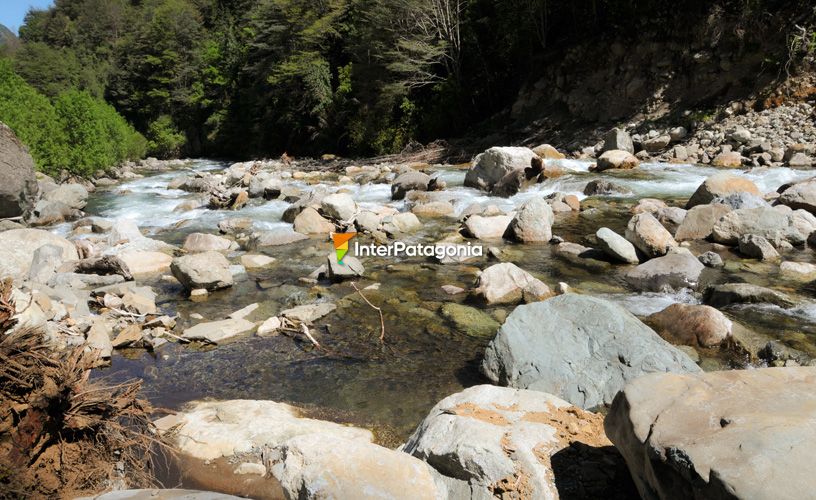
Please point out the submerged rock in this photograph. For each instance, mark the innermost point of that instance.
(469, 320)
(728, 434)
(581, 348)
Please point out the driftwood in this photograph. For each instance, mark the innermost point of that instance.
(379, 310)
(103, 266)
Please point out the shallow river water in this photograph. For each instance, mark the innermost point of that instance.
(391, 387)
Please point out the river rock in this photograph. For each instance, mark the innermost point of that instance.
(469, 320)
(489, 439)
(603, 187)
(18, 247)
(396, 224)
(162, 494)
(770, 223)
(45, 262)
(339, 206)
(800, 160)
(367, 221)
(616, 159)
(803, 270)
(618, 139)
(275, 237)
(694, 325)
(46, 213)
(433, 209)
(741, 200)
(507, 283)
(721, 184)
(532, 223)
(98, 337)
(744, 293)
(757, 247)
(203, 242)
(255, 261)
(548, 152)
(309, 221)
(730, 159)
(581, 256)
(142, 263)
(580, 348)
(616, 246)
(800, 195)
(491, 166)
(728, 434)
(309, 313)
(124, 231)
(699, 222)
(215, 429)
(18, 185)
(351, 268)
(207, 270)
(72, 195)
(656, 144)
(235, 225)
(218, 331)
(711, 259)
(674, 271)
(326, 466)
(648, 235)
(409, 181)
(487, 228)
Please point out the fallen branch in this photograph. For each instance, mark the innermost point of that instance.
(309, 335)
(382, 319)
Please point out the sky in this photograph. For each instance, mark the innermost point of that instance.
(12, 12)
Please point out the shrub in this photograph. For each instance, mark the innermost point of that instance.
(164, 139)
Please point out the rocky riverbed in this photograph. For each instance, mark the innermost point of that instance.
(218, 284)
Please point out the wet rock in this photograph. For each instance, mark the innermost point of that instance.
(741, 200)
(142, 263)
(315, 466)
(711, 259)
(649, 236)
(730, 159)
(671, 216)
(770, 223)
(618, 139)
(744, 293)
(409, 181)
(309, 313)
(548, 152)
(433, 209)
(532, 223)
(469, 320)
(275, 237)
(757, 247)
(339, 206)
(616, 246)
(218, 331)
(487, 228)
(264, 186)
(507, 283)
(235, 225)
(603, 187)
(18, 185)
(721, 185)
(581, 256)
(699, 222)
(252, 261)
(208, 270)
(674, 271)
(693, 325)
(492, 165)
(581, 348)
(726, 434)
(350, 268)
(488, 439)
(801, 270)
(311, 199)
(800, 195)
(211, 430)
(616, 159)
(18, 247)
(73, 195)
(309, 221)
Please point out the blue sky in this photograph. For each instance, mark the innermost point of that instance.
(12, 12)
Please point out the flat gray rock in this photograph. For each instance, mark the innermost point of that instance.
(675, 271)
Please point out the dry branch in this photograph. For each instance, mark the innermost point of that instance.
(379, 310)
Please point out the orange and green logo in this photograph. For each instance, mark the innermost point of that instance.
(341, 244)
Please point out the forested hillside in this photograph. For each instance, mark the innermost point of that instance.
(244, 78)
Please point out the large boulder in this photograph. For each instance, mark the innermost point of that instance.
(18, 185)
(729, 434)
(491, 166)
(580, 348)
(318, 466)
(618, 139)
(699, 222)
(506, 283)
(339, 206)
(721, 184)
(533, 222)
(309, 221)
(616, 246)
(691, 324)
(772, 224)
(18, 248)
(757, 247)
(207, 270)
(73, 195)
(145, 262)
(674, 271)
(649, 236)
(616, 160)
(409, 181)
(215, 429)
(487, 228)
(488, 440)
(800, 195)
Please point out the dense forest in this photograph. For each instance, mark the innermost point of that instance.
(244, 78)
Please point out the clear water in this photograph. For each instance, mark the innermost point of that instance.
(391, 387)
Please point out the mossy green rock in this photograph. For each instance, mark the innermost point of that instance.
(470, 320)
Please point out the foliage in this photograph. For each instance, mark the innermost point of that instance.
(164, 139)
